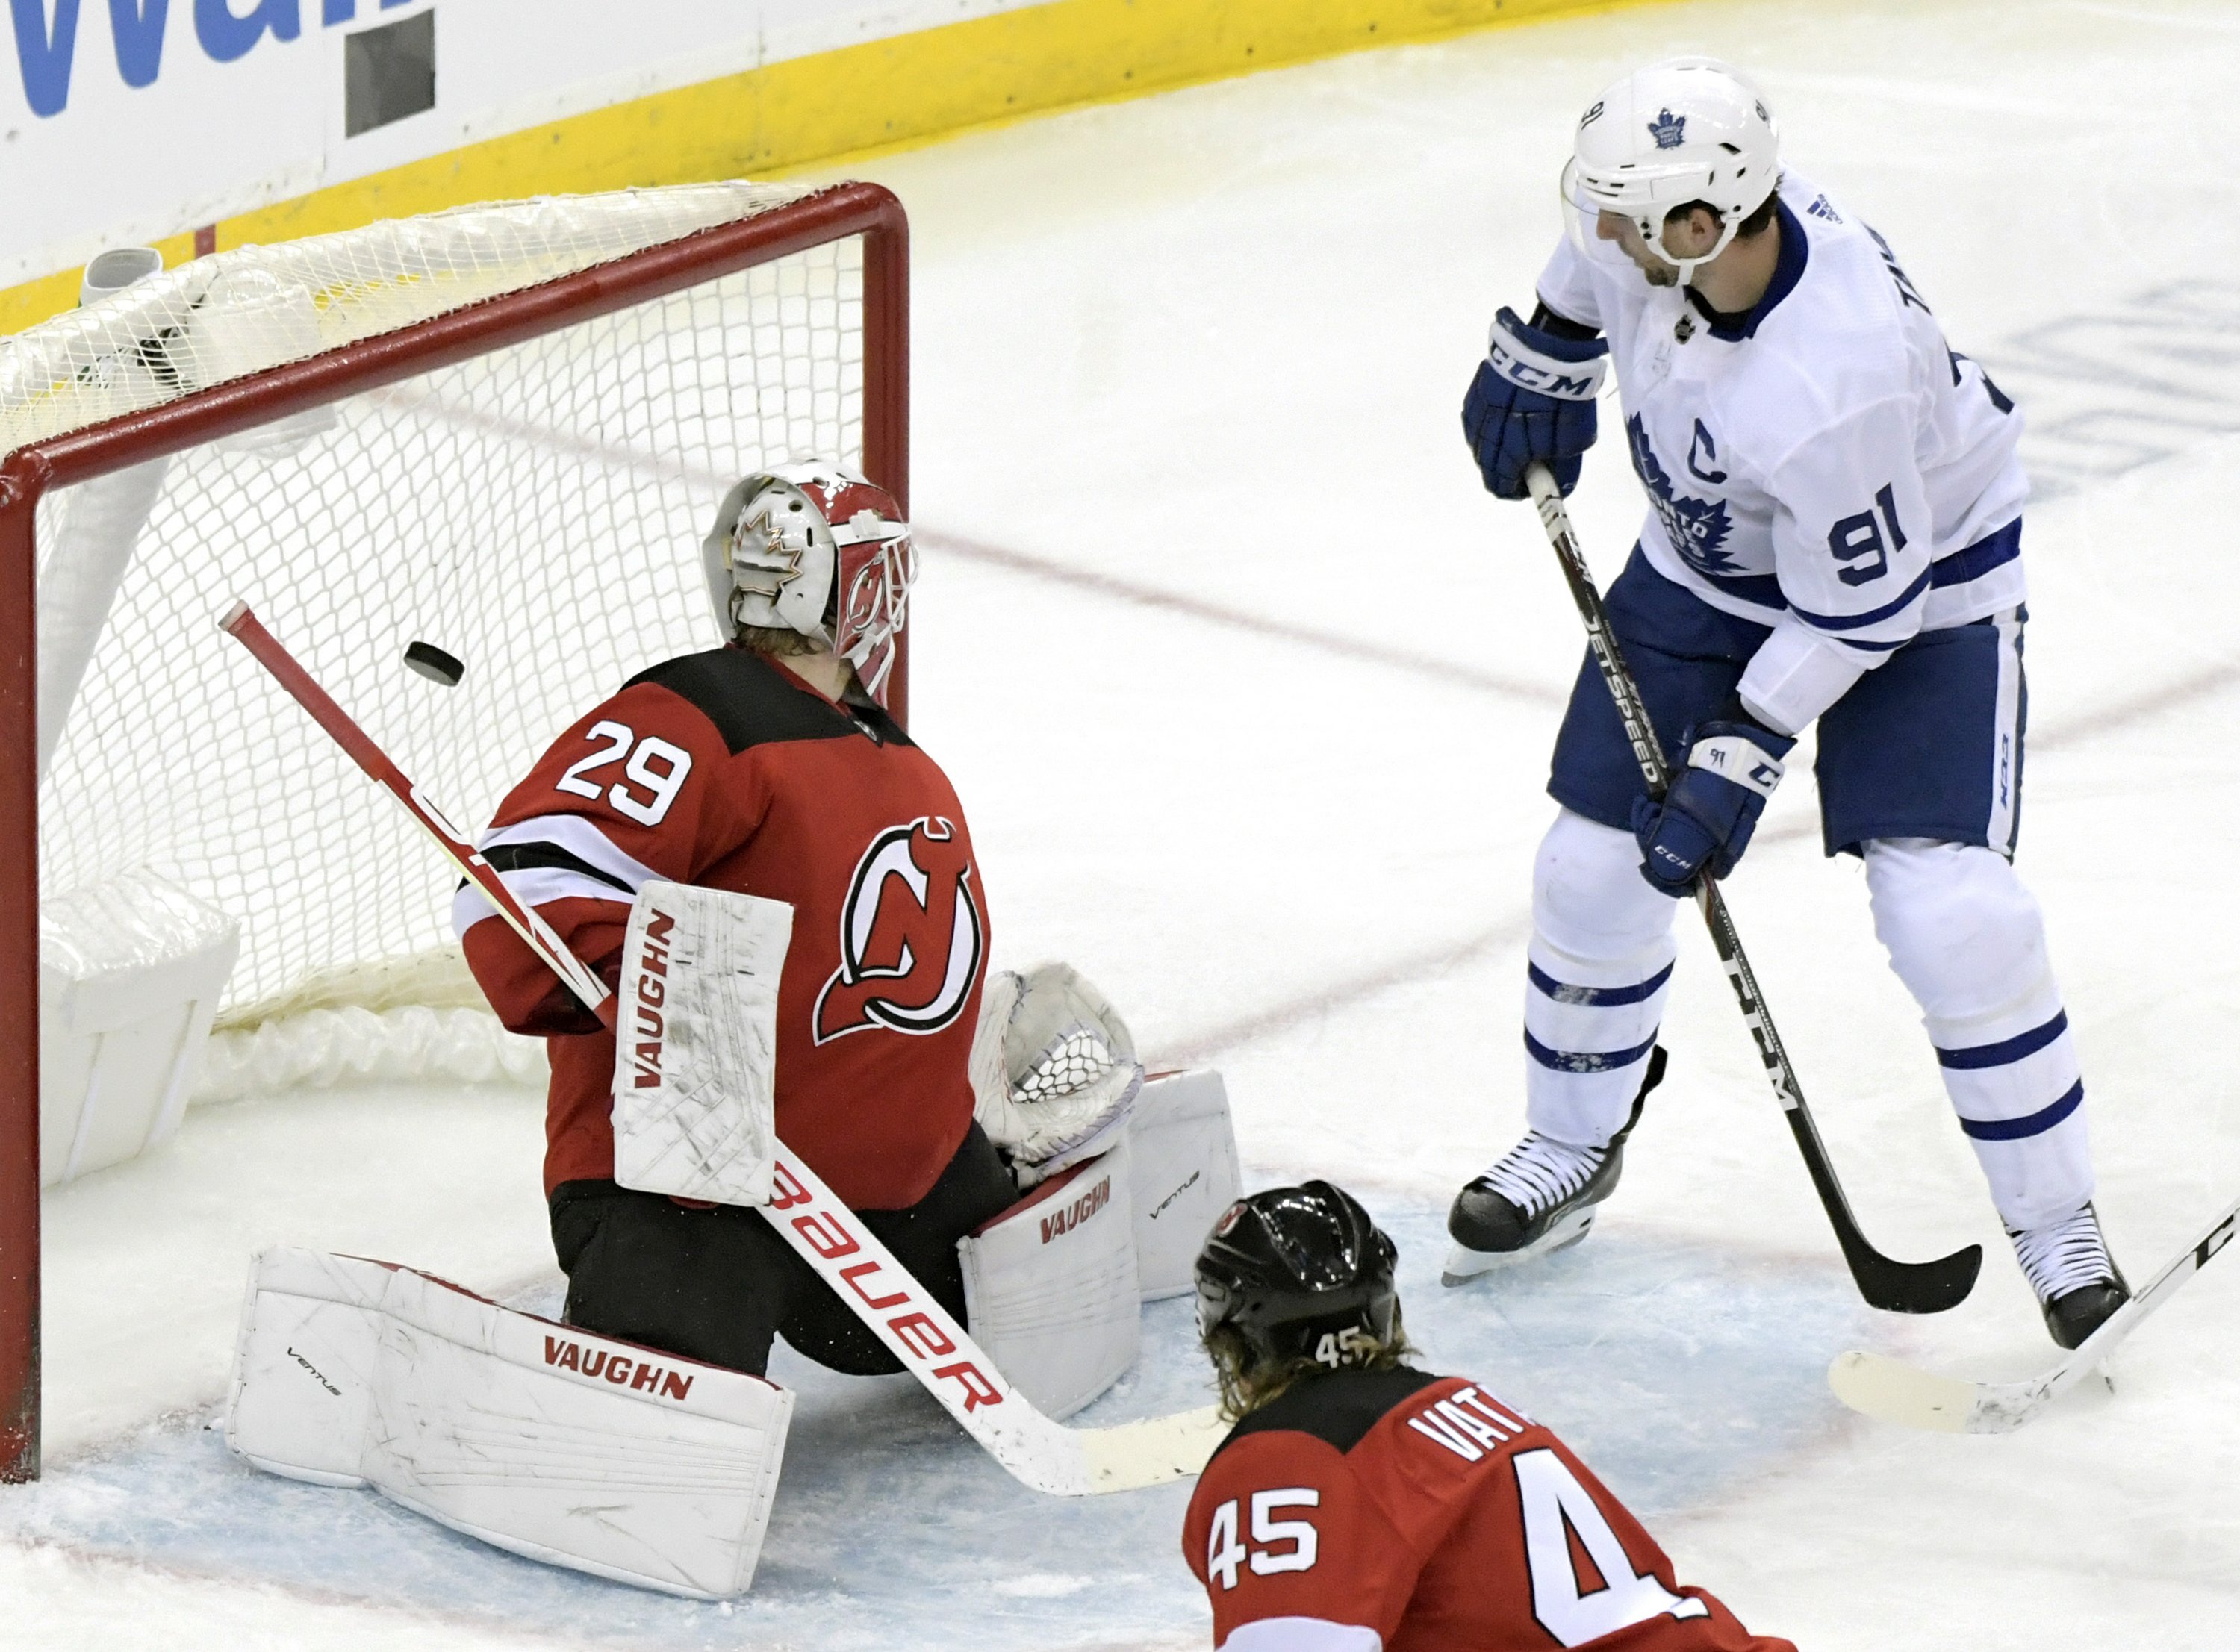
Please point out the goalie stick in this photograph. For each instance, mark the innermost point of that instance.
(1040, 1453)
(1885, 1282)
(1892, 1391)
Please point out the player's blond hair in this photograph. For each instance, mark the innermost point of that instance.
(779, 641)
(1246, 1384)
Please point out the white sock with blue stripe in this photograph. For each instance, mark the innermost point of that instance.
(1968, 940)
(1596, 976)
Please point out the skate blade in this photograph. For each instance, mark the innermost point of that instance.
(1463, 1264)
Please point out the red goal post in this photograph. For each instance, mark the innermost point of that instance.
(191, 419)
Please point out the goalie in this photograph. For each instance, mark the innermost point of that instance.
(771, 766)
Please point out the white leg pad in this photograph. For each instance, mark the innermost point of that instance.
(540, 1438)
(1050, 1288)
(695, 1043)
(1186, 1173)
(130, 974)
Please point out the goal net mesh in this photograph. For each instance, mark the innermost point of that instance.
(535, 511)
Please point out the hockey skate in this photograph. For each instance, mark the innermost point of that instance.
(2077, 1282)
(1540, 1198)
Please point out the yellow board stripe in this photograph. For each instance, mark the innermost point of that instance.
(882, 95)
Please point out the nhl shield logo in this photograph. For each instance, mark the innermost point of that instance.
(911, 937)
(1669, 130)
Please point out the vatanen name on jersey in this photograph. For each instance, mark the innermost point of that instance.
(1466, 1423)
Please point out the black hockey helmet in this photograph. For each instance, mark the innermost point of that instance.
(1293, 1270)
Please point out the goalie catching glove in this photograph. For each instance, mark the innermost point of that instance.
(1054, 1070)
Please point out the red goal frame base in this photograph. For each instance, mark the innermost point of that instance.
(30, 472)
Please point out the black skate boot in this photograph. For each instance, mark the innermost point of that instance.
(1540, 1198)
(2077, 1282)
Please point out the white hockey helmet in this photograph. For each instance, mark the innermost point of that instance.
(1690, 128)
(815, 548)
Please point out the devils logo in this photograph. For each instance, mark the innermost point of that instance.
(910, 935)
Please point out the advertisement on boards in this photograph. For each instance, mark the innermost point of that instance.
(128, 121)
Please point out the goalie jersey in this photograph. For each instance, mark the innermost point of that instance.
(1394, 1511)
(725, 770)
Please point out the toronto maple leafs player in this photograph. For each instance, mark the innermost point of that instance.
(1833, 537)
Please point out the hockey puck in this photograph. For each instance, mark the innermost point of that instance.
(433, 664)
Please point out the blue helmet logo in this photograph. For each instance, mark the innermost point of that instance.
(1668, 129)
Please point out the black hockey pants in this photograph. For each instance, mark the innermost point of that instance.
(715, 1285)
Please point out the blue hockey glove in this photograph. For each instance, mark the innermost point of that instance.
(1707, 814)
(1533, 399)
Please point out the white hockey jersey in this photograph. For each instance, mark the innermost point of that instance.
(1827, 465)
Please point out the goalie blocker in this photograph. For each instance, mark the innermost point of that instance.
(695, 1043)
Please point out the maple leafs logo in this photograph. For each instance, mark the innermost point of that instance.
(1698, 527)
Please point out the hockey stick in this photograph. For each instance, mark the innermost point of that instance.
(1895, 1392)
(1896, 1287)
(1038, 1451)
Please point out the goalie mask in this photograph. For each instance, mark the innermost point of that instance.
(816, 549)
(1691, 128)
(1299, 1272)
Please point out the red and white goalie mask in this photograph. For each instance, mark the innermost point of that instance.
(816, 548)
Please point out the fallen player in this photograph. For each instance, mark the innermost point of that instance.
(1360, 1503)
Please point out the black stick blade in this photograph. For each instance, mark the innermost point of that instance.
(1915, 1287)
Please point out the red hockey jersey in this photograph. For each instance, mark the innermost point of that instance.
(1394, 1511)
(727, 770)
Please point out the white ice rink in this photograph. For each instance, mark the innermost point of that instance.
(1250, 688)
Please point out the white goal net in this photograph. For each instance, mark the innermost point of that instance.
(535, 511)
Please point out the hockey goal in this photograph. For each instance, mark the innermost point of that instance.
(500, 430)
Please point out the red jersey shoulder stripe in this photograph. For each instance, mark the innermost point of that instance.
(552, 857)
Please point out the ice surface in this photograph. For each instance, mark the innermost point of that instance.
(1249, 690)
(1677, 1365)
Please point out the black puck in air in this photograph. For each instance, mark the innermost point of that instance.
(433, 664)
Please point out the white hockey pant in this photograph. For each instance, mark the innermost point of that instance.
(1969, 942)
(1962, 932)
